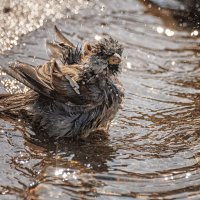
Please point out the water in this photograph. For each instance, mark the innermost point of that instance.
(152, 151)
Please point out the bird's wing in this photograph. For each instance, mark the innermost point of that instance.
(63, 50)
(49, 80)
(62, 38)
(57, 51)
(27, 74)
(64, 53)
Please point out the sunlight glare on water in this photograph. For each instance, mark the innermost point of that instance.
(152, 151)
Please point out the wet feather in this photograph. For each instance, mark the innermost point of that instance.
(72, 95)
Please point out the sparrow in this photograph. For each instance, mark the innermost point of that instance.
(74, 94)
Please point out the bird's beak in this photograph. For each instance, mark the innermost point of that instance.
(114, 59)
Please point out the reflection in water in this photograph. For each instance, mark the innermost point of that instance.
(48, 167)
(152, 151)
(70, 165)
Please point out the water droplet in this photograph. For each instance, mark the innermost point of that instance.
(149, 6)
(64, 175)
(97, 37)
(21, 159)
(58, 172)
(102, 8)
(173, 63)
(160, 29)
(169, 33)
(187, 175)
(128, 65)
(195, 33)
(88, 165)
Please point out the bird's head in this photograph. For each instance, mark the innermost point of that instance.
(106, 54)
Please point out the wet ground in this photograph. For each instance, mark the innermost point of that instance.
(153, 148)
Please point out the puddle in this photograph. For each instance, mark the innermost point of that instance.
(152, 151)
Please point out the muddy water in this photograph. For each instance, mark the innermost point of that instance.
(153, 149)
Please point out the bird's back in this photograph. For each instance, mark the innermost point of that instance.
(59, 119)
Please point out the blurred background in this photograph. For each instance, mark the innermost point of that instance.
(153, 150)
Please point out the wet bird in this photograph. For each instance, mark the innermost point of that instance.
(74, 94)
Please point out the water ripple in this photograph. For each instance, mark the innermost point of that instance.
(153, 147)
